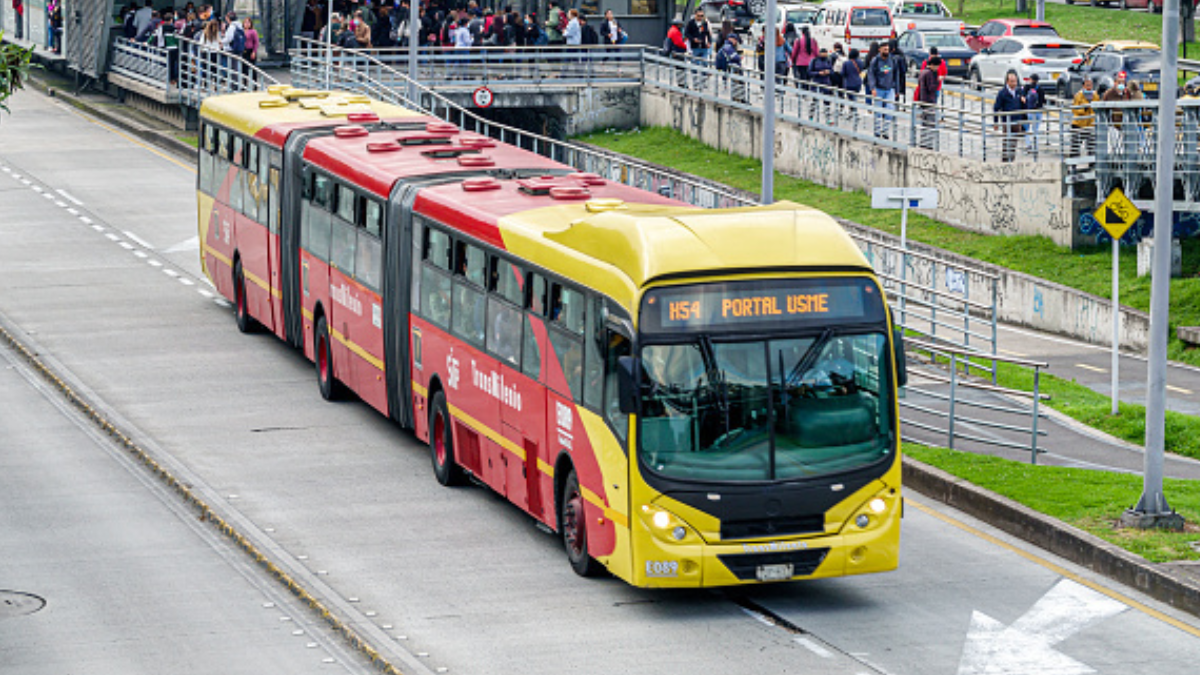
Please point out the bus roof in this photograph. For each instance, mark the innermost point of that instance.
(271, 115)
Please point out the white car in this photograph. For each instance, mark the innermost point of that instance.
(795, 13)
(1047, 56)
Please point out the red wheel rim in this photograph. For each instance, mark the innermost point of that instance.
(573, 527)
(323, 358)
(439, 439)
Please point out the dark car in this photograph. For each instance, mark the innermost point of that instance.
(741, 12)
(950, 45)
(1142, 66)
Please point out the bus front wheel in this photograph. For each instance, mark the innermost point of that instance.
(245, 322)
(441, 443)
(573, 523)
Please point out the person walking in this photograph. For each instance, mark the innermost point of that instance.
(929, 83)
(554, 24)
(699, 38)
(852, 75)
(1009, 103)
(804, 50)
(882, 82)
(1083, 123)
(573, 34)
(820, 75)
(1033, 119)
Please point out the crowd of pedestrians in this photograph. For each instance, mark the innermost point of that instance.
(218, 37)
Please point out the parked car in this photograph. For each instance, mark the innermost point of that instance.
(993, 30)
(1050, 59)
(1141, 66)
(795, 14)
(910, 15)
(1120, 46)
(1155, 6)
(740, 12)
(854, 23)
(951, 47)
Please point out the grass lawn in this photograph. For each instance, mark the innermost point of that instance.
(191, 139)
(1090, 500)
(1088, 269)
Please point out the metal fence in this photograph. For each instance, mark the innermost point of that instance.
(143, 62)
(528, 67)
(1126, 141)
(204, 72)
(960, 124)
(972, 411)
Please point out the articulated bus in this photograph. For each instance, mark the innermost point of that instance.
(689, 397)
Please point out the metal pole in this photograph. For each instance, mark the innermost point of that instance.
(1116, 322)
(329, 46)
(1152, 509)
(1037, 399)
(770, 31)
(953, 392)
(1041, 10)
(904, 262)
(414, 45)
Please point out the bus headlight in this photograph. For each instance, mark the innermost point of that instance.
(665, 524)
(877, 505)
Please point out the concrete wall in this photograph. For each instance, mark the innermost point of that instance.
(578, 110)
(988, 197)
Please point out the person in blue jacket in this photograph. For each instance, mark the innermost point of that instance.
(1009, 102)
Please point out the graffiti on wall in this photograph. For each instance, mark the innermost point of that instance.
(1187, 224)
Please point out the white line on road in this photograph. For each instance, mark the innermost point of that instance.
(154, 263)
(97, 228)
(203, 292)
(126, 245)
(141, 242)
(85, 220)
(186, 282)
(35, 188)
(69, 196)
(112, 237)
(170, 272)
(49, 196)
(141, 254)
(1094, 369)
(72, 212)
(1180, 390)
(185, 245)
(60, 203)
(814, 647)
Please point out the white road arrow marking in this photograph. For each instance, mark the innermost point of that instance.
(192, 244)
(1026, 647)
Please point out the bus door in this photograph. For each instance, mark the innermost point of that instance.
(269, 215)
(516, 326)
(251, 236)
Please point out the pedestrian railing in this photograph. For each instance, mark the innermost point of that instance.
(205, 72)
(146, 63)
(965, 409)
(960, 124)
(1126, 150)
(523, 68)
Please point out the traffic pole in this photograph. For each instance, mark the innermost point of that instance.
(414, 45)
(1152, 509)
(1116, 320)
(1041, 10)
(770, 32)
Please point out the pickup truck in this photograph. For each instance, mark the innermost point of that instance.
(924, 15)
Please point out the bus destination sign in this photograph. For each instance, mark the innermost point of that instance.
(776, 303)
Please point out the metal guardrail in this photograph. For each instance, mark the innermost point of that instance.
(1007, 417)
(528, 67)
(143, 62)
(1126, 140)
(952, 126)
(205, 72)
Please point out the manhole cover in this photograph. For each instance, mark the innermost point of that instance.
(13, 603)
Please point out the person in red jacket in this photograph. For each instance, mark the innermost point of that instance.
(19, 7)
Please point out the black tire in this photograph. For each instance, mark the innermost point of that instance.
(976, 79)
(441, 443)
(331, 389)
(573, 524)
(245, 322)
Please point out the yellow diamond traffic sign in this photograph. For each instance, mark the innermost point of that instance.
(1117, 213)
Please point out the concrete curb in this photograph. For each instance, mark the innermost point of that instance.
(1054, 536)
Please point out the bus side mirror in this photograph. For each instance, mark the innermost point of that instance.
(901, 362)
(627, 383)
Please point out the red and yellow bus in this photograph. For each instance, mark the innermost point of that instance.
(689, 397)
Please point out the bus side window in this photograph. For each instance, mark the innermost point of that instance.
(535, 293)
(469, 312)
(437, 248)
(504, 279)
(250, 184)
(531, 353)
(566, 308)
(344, 235)
(593, 348)
(373, 217)
(317, 241)
(418, 239)
(568, 349)
(616, 346)
(207, 147)
(239, 176)
(435, 282)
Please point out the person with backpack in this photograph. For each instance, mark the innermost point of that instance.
(556, 23)
(1034, 103)
(929, 84)
(233, 41)
(838, 57)
(852, 76)
(820, 74)
(804, 51)
(883, 79)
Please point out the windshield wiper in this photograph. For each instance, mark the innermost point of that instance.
(809, 357)
(716, 377)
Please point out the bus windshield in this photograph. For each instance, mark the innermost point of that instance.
(768, 409)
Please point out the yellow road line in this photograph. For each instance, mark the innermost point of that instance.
(1180, 390)
(1094, 369)
(1057, 569)
(133, 140)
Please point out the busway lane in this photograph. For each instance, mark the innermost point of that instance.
(456, 578)
(131, 582)
(458, 575)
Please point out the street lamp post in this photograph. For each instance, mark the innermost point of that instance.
(770, 31)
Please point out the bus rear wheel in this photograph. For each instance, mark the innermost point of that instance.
(245, 322)
(573, 523)
(323, 357)
(441, 443)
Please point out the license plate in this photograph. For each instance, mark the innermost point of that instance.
(956, 62)
(1150, 86)
(775, 572)
(1054, 76)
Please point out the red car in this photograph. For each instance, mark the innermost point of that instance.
(983, 37)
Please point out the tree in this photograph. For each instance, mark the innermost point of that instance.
(14, 69)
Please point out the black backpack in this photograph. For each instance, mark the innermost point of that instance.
(238, 44)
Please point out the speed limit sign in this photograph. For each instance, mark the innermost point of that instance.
(483, 97)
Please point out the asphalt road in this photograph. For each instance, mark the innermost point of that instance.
(103, 280)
